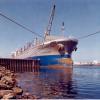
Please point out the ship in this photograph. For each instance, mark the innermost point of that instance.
(51, 50)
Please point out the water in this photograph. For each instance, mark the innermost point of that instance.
(60, 82)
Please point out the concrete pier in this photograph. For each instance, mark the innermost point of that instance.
(20, 65)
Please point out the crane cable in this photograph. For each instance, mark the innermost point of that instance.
(85, 36)
(22, 26)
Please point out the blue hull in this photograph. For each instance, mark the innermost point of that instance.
(50, 59)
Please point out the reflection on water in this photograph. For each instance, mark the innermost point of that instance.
(62, 82)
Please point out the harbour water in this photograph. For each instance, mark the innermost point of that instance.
(62, 82)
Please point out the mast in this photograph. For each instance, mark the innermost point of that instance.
(63, 28)
(48, 29)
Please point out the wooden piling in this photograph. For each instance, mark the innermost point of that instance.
(20, 65)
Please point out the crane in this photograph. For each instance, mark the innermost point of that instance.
(48, 29)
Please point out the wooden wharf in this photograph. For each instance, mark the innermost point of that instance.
(20, 65)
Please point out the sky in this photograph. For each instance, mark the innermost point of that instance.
(81, 17)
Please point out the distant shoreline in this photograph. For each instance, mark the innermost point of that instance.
(86, 65)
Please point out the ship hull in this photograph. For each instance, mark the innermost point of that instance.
(51, 53)
(53, 59)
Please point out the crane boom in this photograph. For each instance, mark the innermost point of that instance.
(48, 29)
